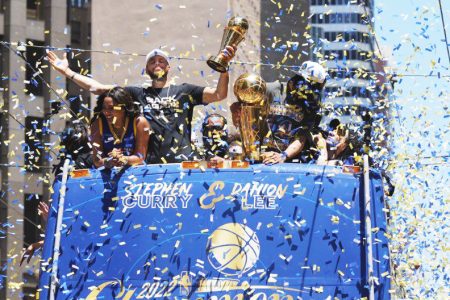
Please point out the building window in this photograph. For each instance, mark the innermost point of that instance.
(35, 9)
(75, 28)
(355, 36)
(2, 76)
(34, 61)
(35, 129)
(340, 2)
(346, 54)
(32, 4)
(3, 123)
(337, 18)
(89, 32)
(31, 232)
(78, 3)
(75, 104)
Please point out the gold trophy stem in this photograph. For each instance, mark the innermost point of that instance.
(254, 128)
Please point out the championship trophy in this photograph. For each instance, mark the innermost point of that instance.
(250, 89)
(233, 34)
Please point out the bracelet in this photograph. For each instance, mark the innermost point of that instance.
(284, 155)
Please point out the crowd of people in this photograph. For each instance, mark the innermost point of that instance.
(134, 125)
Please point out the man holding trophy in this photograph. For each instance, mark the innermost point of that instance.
(169, 108)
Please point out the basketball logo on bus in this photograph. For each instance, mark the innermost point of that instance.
(233, 249)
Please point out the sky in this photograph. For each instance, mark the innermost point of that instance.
(411, 37)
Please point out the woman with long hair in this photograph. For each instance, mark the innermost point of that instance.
(119, 135)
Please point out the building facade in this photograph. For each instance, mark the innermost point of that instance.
(32, 115)
(346, 44)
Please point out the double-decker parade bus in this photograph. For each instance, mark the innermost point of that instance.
(231, 230)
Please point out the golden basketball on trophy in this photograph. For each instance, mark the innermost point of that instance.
(250, 89)
(233, 34)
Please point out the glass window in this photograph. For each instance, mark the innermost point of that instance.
(35, 9)
(33, 147)
(75, 104)
(332, 19)
(34, 58)
(347, 18)
(31, 221)
(32, 4)
(3, 120)
(75, 28)
(78, 3)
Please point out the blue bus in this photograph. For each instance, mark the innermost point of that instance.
(196, 231)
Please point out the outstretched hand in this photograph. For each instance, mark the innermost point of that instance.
(43, 210)
(60, 64)
(28, 253)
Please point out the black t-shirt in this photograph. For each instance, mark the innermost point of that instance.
(169, 111)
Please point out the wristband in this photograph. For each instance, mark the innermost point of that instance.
(284, 155)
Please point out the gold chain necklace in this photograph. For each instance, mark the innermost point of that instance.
(117, 140)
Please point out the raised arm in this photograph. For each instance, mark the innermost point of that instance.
(219, 93)
(86, 83)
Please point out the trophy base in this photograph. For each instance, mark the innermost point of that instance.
(217, 64)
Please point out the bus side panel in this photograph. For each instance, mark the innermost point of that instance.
(267, 232)
(47, 252)
(380, 241)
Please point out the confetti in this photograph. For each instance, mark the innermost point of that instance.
(410, 141)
